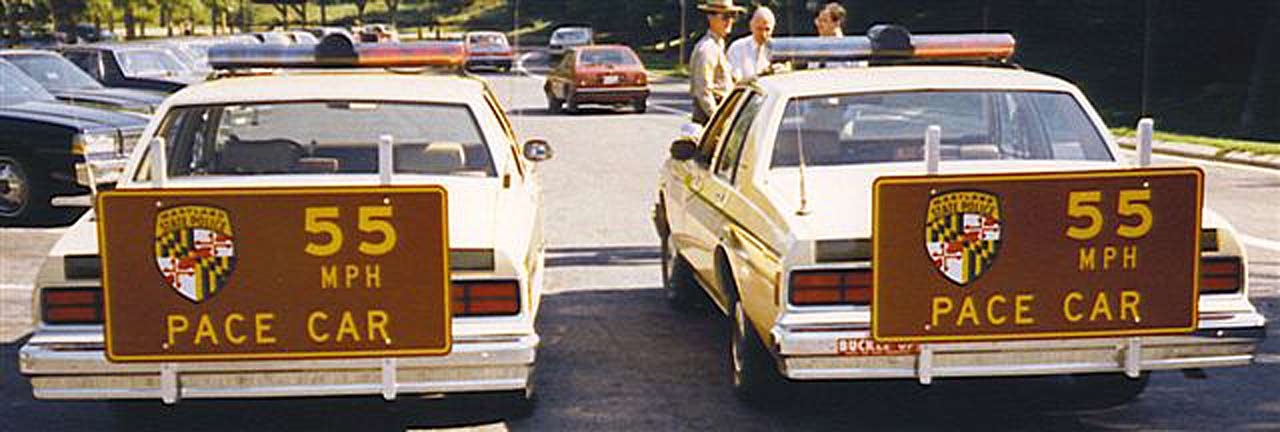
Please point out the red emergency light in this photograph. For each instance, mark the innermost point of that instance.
(338, 50)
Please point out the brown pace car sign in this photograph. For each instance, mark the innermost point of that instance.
(1036, 255)
(238, 274)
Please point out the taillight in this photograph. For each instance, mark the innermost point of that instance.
(1221, 275)
(830, 287)
(485, 298)
(71, 305)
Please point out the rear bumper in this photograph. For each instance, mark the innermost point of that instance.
(610, 94)
(489, 61)
(60, 368)
(813, 354)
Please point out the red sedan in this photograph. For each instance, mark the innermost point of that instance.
(598, 74)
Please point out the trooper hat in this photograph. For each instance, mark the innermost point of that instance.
(718, 6)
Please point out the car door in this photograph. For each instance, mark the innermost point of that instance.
(702, 214)
(723, 192)
(521, 202)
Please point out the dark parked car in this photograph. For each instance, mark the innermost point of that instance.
(132, 66)
(42, 139)
(67, 82)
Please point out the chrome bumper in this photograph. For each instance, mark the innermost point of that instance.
(63, 368)
(813, 354)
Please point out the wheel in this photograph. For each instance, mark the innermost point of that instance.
(1097, 391)
(678, 285)
(554, 104)
(641, 105)
(23, 198)
(571, 104)
(756, 380)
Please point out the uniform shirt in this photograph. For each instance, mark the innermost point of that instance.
(710, 75)
(747, 57)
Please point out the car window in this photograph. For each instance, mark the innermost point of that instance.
(731, 152)
(336, 137)
(16, 87)
(606, 57)
(86, 61)
(53, 72)
(719, 124)
(144, 63)
(492, 39)
(976, 125)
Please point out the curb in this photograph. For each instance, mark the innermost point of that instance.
(1196, 151)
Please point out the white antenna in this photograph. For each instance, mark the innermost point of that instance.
(1146, 130)
(159, 163)
(932, 148)
(386, 164)
(804, 198)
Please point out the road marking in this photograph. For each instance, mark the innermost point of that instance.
(59, 230)
(16, 287)
(493, 427)
(1219, 164)
(1266, 358)
(668, 110)
(1260, 243)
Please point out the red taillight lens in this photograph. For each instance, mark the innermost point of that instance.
(71, 305)
(1221, 275)
(485, 298)
(827, 287)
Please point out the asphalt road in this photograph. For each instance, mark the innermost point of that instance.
(614, 357)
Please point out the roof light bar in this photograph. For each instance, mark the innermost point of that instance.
(337, 50)
(895, 43)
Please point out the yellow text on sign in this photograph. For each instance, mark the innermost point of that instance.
(371, 219)
(1131, 203)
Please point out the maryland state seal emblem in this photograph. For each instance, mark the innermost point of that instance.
(962, 234)
(195, 250)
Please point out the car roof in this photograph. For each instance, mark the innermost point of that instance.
(485, 32)
(902, 78)
(27, 52)
(371, 85)
(603, 47)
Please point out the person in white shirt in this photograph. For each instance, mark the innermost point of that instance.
(747, 55)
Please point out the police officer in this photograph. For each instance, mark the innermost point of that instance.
(711, 76)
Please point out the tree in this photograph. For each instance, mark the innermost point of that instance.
(1262, 103)
(393, 9)
(360, 4)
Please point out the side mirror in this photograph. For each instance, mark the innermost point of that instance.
(683, 149)
(537, 150)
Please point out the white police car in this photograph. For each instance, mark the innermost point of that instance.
(328, 220)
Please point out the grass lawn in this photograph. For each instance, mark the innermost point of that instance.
(1224, 145)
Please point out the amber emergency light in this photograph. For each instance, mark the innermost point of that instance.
(338, 50)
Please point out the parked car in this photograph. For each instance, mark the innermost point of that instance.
(598, 74)
(273, 37)
(42, 140)
(939, 216)
(132, 66)
(365, 160)
(59, 76)
(568, 37)
(488, 49)
(87, 33)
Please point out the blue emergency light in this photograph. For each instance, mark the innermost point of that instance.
(891, 42)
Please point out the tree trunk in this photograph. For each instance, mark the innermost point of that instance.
(166, 17)
(393, 8)
(130, 30)
(301, 9)
(1261, 115)
(324, 19)
(360, 4)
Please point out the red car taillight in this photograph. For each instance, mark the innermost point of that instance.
(1221, 275)
(71, 305)
(830, 287)
(485, 298)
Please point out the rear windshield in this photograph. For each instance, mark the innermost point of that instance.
(53, 72)
(487, 39)
(976, 125)
(606, 57)
(150, 63)
(323, 138)
(16, 87)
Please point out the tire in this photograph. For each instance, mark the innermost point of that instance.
(23, 197)
(1098, 391)
(755, 376)
(678, 284)
(554, 104)
(640, 105)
